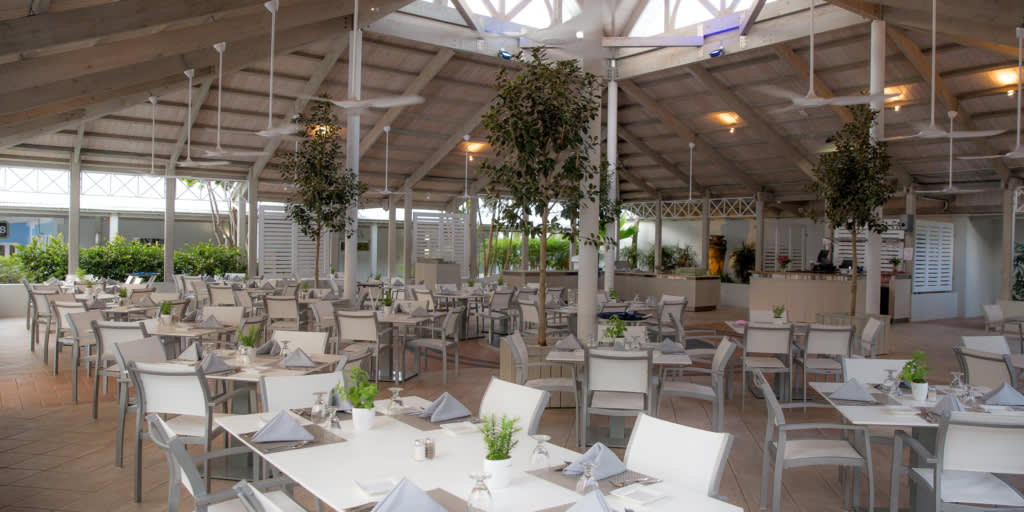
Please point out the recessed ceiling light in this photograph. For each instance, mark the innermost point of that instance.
(1010, 92)
(579, 34)
(732, 129)
(896, 108)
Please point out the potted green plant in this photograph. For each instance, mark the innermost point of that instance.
(501, 281)
(895, 262)
(616, 329)
(361, 393)
(498, 435)
(777, 311)
(783, 262)
(247, 342)
(612, 294)
(470, 282)
(165, 313)
(389, 303)
(915, 372)
(377, 276)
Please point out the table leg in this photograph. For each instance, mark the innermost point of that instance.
(919, 501)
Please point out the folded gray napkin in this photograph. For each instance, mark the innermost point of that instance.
(445, 408)
(271, 347)
(192, 353)
(418, 312)
(1004, 395)
(608, 464)
(146, 301)
(298, 359)
(671, 347)
(406, 496)
(396, 282)
(592, 502)
(190, 317)
(213, 364)
(51, 281)
(948, 404)
(568, 343)
(267, 286)
(330, 295)
(282, 427)
(852, 390)
(211, 322)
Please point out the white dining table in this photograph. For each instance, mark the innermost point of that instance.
(658, 358)
(330, 471)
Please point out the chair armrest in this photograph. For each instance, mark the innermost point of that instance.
(823, 426)
(545, 363)
(224, 397)
(221, 453)
(915, 446)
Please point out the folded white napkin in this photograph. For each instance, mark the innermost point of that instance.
(608, 464)
(418, 312)
(269, 348)
(948, 404)
(282, 427)
(298, 359)
(853, 390)
(213, 364)
(671, 347)
(592, 502)
(445, 408)
(1004, 395)
(211, 322)
(191, 353)
(568, 343)
(406, 496)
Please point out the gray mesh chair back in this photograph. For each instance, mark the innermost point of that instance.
(986, 368)
(515, 401)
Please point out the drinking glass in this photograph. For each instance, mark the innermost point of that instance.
(891, 383)
(317, 413)
(957, 384)
(587, 483)
(540, 458)
(284, 347)
(332, 417)
(394, 403)
(480, 499)
(972, 396)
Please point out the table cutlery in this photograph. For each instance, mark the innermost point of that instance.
(642, 481)
(299, 444)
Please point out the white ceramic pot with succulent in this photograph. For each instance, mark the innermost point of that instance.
(361, 393)
(916, 372)
(778, 314)
(498, 435)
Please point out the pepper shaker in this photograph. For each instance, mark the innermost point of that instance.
(430, 447)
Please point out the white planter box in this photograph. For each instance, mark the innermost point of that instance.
(12, 300)
(736, 295)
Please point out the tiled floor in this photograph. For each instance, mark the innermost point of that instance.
(54, 456)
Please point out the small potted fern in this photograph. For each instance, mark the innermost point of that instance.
(165, 313)
(498, 435)
(361, 393)
(247, 343)
(915, 373)
(778, 314)
(616, 330)
(388, 302)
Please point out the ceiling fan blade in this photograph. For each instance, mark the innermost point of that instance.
(653, 41)
(281, 130)
(777, 92)
(223, 153)
(1018, 152)
(858, 100)
(974, 134)
(202, 163)
(900, 137)
(382, 102)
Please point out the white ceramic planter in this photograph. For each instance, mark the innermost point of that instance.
(166, 320)
(778, 321)
(919, 390)
(362, 419)
(500, 471)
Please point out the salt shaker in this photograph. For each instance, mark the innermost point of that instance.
(419, 450)
(430, 448)
(932, 395)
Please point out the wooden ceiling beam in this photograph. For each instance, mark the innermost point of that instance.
(669, 167)
(751, 17)
(446, 147)
(190, 119)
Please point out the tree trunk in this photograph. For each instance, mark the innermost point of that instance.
(853, 274)
(508, 252)
(636, 234)
(542, 282)
(316, 264)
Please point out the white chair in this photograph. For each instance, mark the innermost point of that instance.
(773, 343)
(985, 368)
(868, 340)
(995, 318)
(671, 309)
(970, 451)
(230, 316)
(671, 385)
(616, 383)
(64, 336)
(40, 312)
(828, 344)
(363, 332)
(52, 322)
(82, 336)
(182, 472)
(222, 295)
(447, 336)
(146, 350)
(514, 401)
(570, 384)
(296, 391)
(282, 312)
(256, 501)
(310, 342)
(656, 448)
(870, 371)
(173, 389)
(993, 344)
(782, 452)
(107, 334)
(530, 321)
(497, 310)
(765, 316)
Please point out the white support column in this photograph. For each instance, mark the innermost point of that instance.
(659, 215)
(873, 249)
(1009, 227)
(392, 238)
(408, 250)
(74, 214)
(524, 252)
(252, 241)
(589, 223)
(170, 194)
(112, 226)
(355, 64)
(611, 229)
(759, 233)
(472, 250)
(240, 226)
(705, 229)
(908, 236)
(373, 249)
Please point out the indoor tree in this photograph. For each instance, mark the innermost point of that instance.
(539, 127)
(324, 189)
(853, 182)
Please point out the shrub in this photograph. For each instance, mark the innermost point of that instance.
(743, 261)
(120, 257)
(10, 269)
(43, 260)
(206, 259)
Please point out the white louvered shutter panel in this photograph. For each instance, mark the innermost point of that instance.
(892, 245)
(441, 235)
(933, 257)
(785, 240)
(283, 250)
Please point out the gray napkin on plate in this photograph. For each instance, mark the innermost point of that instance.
(406, 496)
(608, 464)
(190, 317)
(267, 286)
(853, 390)
(1004, 395)
(271, 347)
(592, 502)
(191, 353)
(445, 408)
(329, 295)
(568, 343)
(419, 312)
(282, 427)
(948, 404)
(211, 322)
(213, 364)
(298, 359)
(671, 347)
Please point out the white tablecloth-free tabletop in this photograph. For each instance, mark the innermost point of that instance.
(576, 356)
(386, 451)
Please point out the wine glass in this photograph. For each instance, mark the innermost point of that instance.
(480, 499)
(540, 457)
(284, 347)
(587, 483)
(317, 413)
(394, 403)
(957, 384)
(891, 383)
(332, 417)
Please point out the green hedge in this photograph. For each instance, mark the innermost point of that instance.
(39, 261)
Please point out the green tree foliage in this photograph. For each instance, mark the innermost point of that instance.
(853, 181)
(120, 257)
(41, 260)
(539, 127)
(557, 252)
(743, 261)
(207, 259)
(326, 192)
(10, 269)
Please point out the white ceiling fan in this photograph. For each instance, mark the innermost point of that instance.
(811, 99)
(188, 162)
(950, 188)
(152, 137)
(288, 128)
(385, 192)
(219, 151)
(932, 131)
(1018, 150)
